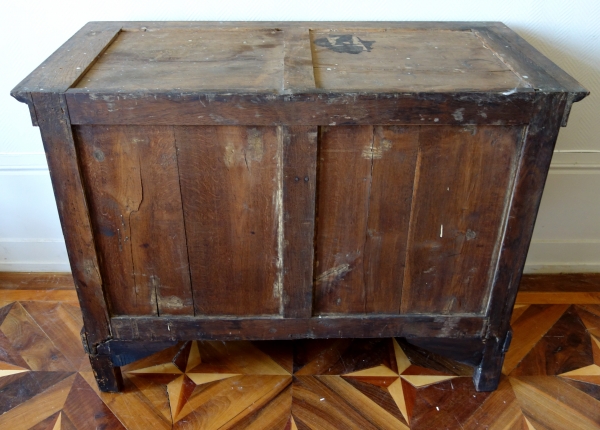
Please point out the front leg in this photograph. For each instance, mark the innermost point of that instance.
(487, 374)
(108, 376)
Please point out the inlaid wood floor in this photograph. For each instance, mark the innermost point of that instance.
(551, 375)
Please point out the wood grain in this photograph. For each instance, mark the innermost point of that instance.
(132, 180)
(230, 184)
(197, 59)
(299, 187)
(218, 108)
(344, 186)
(457, 218)
(265, 328)
(394, 158)
(73, 213)
(408, 60)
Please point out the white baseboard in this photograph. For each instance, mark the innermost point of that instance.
(29, 255)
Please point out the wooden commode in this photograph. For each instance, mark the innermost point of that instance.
(284, 180)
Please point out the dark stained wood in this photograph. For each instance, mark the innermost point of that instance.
(344, 186)
(533, 168)
(265, 328)
(231, 189)
(560, 283)
(466, 351)
(73, 213)
(108, 376)
(457, 217)
(298, 205)
(132, 183)
(559, 288)
(394, 162)
(222, 108)
(36, 281)
(123, 353)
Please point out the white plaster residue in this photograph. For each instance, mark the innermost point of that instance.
(278, 203)
(458, 114)
(442, 230)
(333, 273)
(508, 93)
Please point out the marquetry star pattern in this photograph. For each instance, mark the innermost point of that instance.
(551, 378)
(399, 383)
(201, 373)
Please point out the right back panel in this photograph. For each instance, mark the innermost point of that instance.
(409, 219)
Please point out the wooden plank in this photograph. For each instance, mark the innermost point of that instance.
(298, 75)
(457, 217)
(408, 60)
(346, 108)
(344, 186)
(265, 328)
(132, 181)
(573, 288)
(73, 213)
(196, 59)
(394, 164)
(231, 189)
(560, 283)
(299, 184)
(36, 281)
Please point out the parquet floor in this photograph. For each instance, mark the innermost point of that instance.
(551, 376)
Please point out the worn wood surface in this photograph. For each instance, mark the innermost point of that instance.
(457, 217)
(395, 159)
(132, 182)
(265, 328)
(408, 60)
(240, 60)
(391, 108)
(232, 201)
(298, 220)
(345, 163)
(532, 171)
(73, 212)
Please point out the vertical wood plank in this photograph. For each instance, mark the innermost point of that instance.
(344, 183)
(299, 183)
(298, 72)
(394, 160)
(231, 189)
(132, 181)
(457, 216)
(73, 212)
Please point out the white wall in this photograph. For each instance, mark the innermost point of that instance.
(567, 235)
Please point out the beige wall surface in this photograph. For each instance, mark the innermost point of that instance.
(567, 234)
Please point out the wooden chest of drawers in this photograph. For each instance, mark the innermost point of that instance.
(274, 180)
